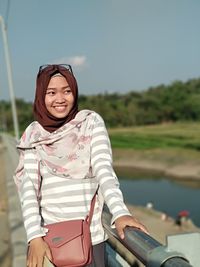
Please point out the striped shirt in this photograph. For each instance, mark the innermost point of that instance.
(68, 199)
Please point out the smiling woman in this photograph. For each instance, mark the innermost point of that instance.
(65, 164)
(56, 97)
(59, 98)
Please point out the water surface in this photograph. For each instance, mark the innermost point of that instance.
(167, 195)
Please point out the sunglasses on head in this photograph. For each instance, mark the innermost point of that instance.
(56, 67)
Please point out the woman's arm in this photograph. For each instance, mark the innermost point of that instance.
(28, 192)
(101, 160)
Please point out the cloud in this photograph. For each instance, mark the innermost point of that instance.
(78, 62)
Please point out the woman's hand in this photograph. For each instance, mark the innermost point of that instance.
(38, 249)
(128, 220)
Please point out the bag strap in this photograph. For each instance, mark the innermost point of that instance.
(39, 183)
(88, 217)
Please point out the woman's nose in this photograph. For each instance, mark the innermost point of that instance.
(60, 97)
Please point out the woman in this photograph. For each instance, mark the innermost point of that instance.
(67, 152)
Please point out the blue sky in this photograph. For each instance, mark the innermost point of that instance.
(113, 45)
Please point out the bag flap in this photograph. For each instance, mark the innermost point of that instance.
(62, 232)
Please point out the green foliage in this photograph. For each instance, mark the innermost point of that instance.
(24, 115)
(173, 103)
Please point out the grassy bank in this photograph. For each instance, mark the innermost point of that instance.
(173, 149)
(171, 135)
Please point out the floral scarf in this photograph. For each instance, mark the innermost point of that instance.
(65, 152)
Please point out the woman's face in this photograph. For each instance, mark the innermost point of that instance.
(59, 99)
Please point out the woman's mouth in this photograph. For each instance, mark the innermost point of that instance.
(60, 108)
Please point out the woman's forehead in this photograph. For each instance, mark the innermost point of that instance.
(57, 80)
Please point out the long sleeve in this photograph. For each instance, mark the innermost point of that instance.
(101, 161)
(28, 196)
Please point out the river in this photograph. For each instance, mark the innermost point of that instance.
(168, 195)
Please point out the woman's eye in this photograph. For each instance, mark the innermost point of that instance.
(50, 93)
(67, 91)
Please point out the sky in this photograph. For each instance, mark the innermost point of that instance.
(112, 45)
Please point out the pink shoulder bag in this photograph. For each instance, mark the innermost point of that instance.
(70, 241)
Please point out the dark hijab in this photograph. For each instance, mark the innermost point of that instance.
(41, 114)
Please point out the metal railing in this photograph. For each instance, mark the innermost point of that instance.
(148, 250)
